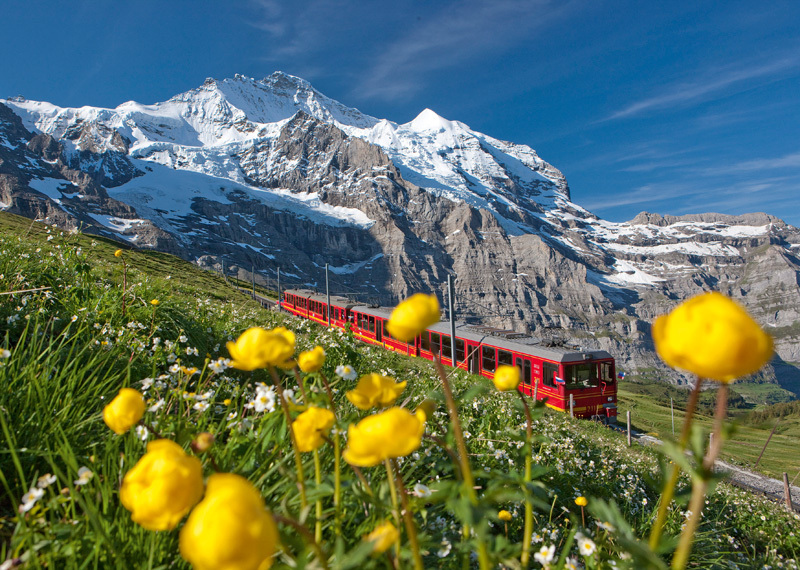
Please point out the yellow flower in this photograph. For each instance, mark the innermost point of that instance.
(383, 537)
(413, 316)
(311, 360)
(124, 411)
(162, 486)
(713, 337)
(259, 348)
(230, 529)
(310, 426)
(504, 515)
(426, 407)
(375, 390)
(581, 501)
(118, 253)
(393, 433)
(203, 442)
(155, 302)
(506, 378)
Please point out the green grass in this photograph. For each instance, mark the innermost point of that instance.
(72, 348)
(650, 413)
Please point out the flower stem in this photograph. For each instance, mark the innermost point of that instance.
(528, 528)
(300, 385)
(408, 518)
(318, 481)
(466, 471)
(701, 483)
(323, 560)
(328, 390)
(337, 483)
(395, 504)
(669, 488)
(298, 461)
(124, 284)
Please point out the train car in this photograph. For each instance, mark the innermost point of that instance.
(555, 373)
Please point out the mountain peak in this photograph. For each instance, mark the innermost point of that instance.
(429, 120)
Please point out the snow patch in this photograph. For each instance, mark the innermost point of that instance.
(353, 267)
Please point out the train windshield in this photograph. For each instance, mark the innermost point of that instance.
(587, 374)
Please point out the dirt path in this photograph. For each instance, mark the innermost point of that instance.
(754, 482)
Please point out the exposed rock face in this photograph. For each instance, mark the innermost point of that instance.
(36, 182)
(272, 174)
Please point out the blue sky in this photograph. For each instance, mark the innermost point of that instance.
(669, 107)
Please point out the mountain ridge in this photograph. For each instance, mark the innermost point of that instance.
(272, 173)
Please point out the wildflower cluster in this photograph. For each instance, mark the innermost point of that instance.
(289, 445)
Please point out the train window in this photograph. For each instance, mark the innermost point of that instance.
(504, 357)
(446, 346)
(371, 324)
(488, 358)
(435, 343)
(606, 372)
(324, 312)
(582, 375)
(460, 350)
(425, 343)
(549, 370)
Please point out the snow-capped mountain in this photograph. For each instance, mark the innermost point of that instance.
(272, 173)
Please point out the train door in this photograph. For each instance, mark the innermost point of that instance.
(379, 330)
(524, 365)
(473, 358)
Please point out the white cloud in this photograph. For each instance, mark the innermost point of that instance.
(461, 31)
(711, 84)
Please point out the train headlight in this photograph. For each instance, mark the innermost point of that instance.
(610, 399)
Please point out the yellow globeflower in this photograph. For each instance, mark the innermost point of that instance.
(310, 426)
(124, 411)
(581, 501)
(162, 486)
(393, 433)
(506, 378)
(375, 390)
(383, 537)
(504, 515)
(311, 360)
(259, 348)
(230, 529)
(713, 337)
(118, 253)
(413, 316)
(155, 302)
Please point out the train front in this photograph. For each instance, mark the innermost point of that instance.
(591, 384)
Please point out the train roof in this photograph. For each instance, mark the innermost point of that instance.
(504, 339)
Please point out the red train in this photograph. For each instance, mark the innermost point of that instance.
(555, 373)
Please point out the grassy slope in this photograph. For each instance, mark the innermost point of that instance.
(582, 458)
(651, 413)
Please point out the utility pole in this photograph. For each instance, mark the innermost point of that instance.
(328, 294)
(279, 287)
(253, 275)
(672, 409)
(450, 304)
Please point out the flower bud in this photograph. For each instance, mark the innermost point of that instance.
(124, 411)
(412, 316)
(203, 442)
(506, 378)
(713, 337)
(163, 485)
